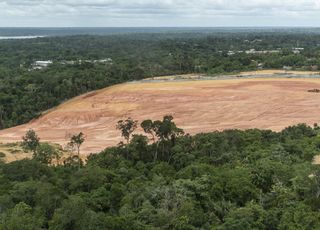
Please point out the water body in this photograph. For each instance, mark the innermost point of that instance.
(19, 37)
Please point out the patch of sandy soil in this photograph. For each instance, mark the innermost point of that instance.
(13, 152)
(272, 72)
(316, 160)
(197, 106)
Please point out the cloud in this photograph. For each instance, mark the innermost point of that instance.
(153, 11)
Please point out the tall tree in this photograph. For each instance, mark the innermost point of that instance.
(149, 128)
(165, 131)
(75, 142)
(31, 141)
(127, 127)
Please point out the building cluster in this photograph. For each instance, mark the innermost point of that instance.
(253, 51)
(297, 50)
(99, 61)
(41, 64)
(37, 65)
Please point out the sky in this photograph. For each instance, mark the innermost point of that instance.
(159, 13)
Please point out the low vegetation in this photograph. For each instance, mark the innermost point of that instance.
(314, 91)
(13, 151)
(165, 179)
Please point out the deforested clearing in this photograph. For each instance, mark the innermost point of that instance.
(197, 106)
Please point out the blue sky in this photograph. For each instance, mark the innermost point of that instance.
(171, 13)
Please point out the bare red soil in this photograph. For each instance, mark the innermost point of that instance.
(197, 106)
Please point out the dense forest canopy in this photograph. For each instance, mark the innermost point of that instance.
(222, 180)
(82, 63)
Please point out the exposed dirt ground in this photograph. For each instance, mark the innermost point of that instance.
(271, 72)
(268, 73)
(13, 152)
(197, 106)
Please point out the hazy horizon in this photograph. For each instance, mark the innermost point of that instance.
(191, 27)
(156, 13)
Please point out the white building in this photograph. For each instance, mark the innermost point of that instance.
(297, 50)
(41, 64)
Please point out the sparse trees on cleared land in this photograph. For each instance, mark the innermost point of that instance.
(42, 152)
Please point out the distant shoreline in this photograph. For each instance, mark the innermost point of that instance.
(20, 37)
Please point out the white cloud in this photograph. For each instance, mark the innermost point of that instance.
(159, 12)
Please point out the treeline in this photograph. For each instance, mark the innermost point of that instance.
(165, 179)
(25, 93)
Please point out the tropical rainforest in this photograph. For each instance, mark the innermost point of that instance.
(77, 68)
(166, 179)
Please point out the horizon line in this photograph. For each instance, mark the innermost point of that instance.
(173, 27)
